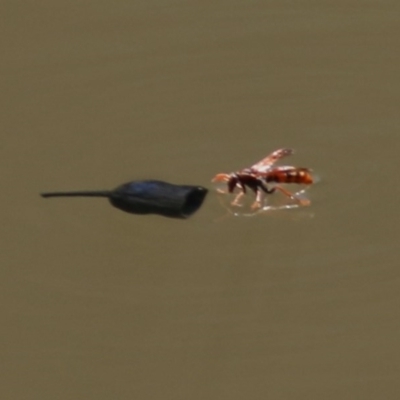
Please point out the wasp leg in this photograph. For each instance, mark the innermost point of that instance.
(266, 189)
(236, 202)
(302, 202)
(258, 202)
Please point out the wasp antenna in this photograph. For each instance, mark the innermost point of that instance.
(220, 178)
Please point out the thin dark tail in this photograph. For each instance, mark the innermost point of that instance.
(95, 193)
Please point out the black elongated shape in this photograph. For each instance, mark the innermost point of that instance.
(148, 197)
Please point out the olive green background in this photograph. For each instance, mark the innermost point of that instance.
(99, 304)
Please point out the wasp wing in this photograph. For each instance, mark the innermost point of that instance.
(290, 168)
(279, 168)
(266, 163)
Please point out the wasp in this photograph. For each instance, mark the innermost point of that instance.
(260, 174)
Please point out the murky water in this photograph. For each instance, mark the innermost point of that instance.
(292, 304)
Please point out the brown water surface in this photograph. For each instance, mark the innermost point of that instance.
(297, 304)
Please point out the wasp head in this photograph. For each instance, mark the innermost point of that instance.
(230, 179)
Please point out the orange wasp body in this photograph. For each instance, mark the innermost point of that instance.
(263, 172)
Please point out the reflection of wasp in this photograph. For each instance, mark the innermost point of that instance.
(263, 172)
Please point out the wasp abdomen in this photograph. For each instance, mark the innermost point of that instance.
(295, 175)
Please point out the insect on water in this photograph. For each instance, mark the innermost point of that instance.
(265, 178)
